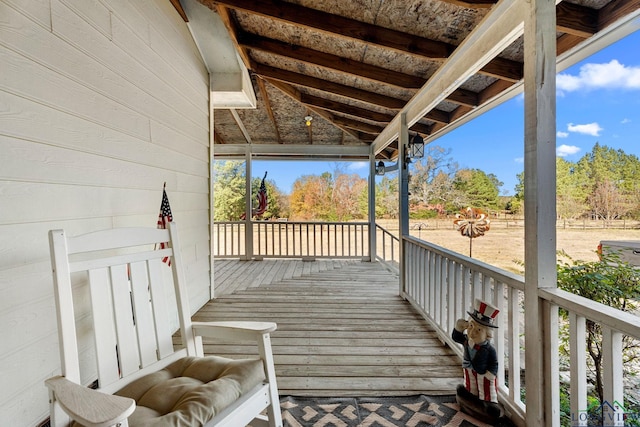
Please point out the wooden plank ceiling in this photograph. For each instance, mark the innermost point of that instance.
(351, 65)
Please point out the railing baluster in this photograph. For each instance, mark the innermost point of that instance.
(477, 288)
(451, 296)
(613, 387)
(578, 364)
(514, 344)
(499, 302)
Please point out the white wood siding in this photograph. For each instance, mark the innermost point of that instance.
(101, 101)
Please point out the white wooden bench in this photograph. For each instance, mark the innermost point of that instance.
(116, 278)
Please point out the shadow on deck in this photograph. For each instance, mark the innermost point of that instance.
(342, 328)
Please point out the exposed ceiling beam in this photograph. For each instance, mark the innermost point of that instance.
(295, 94)
(292, 149)
(340, 107)
(326, 60)
(363, 113)
(577, 20)
(459, 96)
(265, 96)
(365, 33)
(318, 104)
(273, 73)
(615, 11)
(501, 27)
(241, 125)
(473, 4)
(336, 24)
(233, 29)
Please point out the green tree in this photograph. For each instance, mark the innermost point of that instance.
(327, 198)
(387, 197)
(228, 190)
(605, 166)
(480, 190)
(431, 180)
(571, 191)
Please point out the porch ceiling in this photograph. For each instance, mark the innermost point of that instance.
(352, 65)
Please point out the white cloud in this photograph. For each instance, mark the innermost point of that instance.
(600, 76)
(561, 134)
(592, 129)
(358, 165)
(625, 121)
(519, 160)
(566, 150)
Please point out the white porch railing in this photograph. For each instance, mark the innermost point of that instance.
(387, 247)
(442, 284)
(289, 239)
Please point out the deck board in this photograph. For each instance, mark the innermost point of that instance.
(342, 328)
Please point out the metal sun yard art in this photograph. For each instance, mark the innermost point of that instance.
(471, 222)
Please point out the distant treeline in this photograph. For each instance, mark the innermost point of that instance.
(602, 185)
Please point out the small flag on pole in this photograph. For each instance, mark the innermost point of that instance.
(164, 218)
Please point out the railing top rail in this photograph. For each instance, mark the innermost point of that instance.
(393, 236)
(625, 322)
(516, 281)
(297, 222)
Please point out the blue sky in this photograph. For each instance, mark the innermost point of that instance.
(598, 101)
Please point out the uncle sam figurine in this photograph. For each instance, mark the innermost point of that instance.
(478, 396)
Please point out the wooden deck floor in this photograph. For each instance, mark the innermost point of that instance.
(342, 328)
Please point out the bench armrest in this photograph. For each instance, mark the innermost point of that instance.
(90, 407)
(233, 330)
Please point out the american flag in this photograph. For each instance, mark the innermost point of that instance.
(262, 198)
(262, 201)
(164, 218)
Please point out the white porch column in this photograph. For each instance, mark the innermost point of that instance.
(403, 199)
(540, 211)
(248, 199)
(372, 207)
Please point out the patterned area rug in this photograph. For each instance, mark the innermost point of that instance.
(408, 411)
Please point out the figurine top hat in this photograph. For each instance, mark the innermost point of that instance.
(484, 313)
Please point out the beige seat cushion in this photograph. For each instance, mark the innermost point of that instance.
(191, 391)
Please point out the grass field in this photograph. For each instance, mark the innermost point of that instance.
(503, 243)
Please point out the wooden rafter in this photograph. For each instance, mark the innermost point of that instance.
(265, 96)
(279, 74)
(335, 24)
(295, 94)
(364, 114)
(233, 29)
(326, 60)
(459, 96)
(577, 20)
(473, 4)
(366, 33)
(615, 11)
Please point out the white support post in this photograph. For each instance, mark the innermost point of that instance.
(542, 384)
(248, 225)
(372, 208)
(403, 199)
(211, 195)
